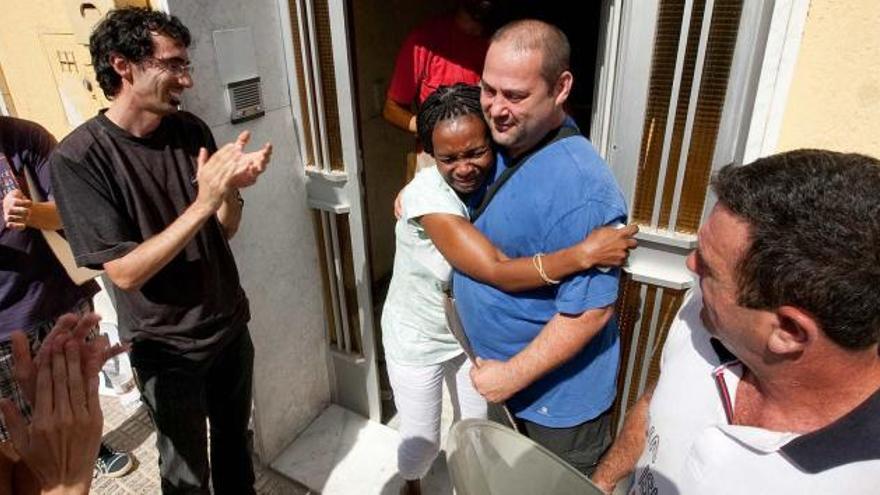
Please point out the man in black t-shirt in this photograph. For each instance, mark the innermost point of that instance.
(145, 193)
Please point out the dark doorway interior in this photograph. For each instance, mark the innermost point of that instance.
(580, 23)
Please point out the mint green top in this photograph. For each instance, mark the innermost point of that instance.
(414, 330)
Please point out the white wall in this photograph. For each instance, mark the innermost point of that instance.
(275, 248)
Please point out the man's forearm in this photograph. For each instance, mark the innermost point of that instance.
(133, 270)
(399, 116)
(559, 341)
(229, 213)
(44, 216)
(621, 458)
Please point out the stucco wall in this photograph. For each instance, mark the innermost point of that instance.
(834, 100)
(26, 64)
(46, 65)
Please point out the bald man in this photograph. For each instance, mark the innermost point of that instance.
(552, 353)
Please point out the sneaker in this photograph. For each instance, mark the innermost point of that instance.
(113, 464)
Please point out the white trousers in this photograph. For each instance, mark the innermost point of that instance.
(418, 396)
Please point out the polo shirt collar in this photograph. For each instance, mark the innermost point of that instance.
(854, 437)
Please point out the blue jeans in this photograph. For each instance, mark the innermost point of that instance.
(180, 394)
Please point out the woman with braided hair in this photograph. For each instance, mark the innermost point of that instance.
(433, 235)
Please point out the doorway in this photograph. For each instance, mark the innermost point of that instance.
(375, 38)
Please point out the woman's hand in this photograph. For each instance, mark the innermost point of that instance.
(607, 246)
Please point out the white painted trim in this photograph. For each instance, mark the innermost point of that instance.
(672, 109)
(742, 88)
(316, 102)
(161, 6)
(347, 110)
(660, 268)
(290, 69)
(632, 75)
(667, 237)
(649, 342)
(603, 84)
(338, 192)
(696, 82)
(631, 359)
(782, 47)
(342, 325)
(328, 175)
(319, 204)
(760, 81)
(330, 260)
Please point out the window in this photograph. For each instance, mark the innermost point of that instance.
(690, 67)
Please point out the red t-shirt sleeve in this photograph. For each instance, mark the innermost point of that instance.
(405, 79)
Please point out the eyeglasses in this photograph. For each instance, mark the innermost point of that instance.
(174, 66)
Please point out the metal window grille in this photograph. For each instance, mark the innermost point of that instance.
(693, 51)
(645, 313)
(337, 272)
(315, 73)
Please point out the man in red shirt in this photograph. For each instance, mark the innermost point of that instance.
(443, 51)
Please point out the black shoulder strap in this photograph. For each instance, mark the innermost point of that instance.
(561, 133)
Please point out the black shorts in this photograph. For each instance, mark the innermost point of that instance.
(581, 446)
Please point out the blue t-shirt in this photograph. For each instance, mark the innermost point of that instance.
(562, 193)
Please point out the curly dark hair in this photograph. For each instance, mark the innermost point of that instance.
(128, 32)
(447, 102)
(814, 227)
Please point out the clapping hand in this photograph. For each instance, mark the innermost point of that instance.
(254, 162)
(229, 168)
(61, 442)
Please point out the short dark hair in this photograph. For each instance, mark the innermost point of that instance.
(532, 34)
(814, 227)
(128, 32)
(447, 102)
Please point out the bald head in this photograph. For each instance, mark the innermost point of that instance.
(534, 35)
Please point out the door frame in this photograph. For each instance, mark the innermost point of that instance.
(353, 377)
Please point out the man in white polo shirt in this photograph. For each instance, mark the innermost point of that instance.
(770, 376)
